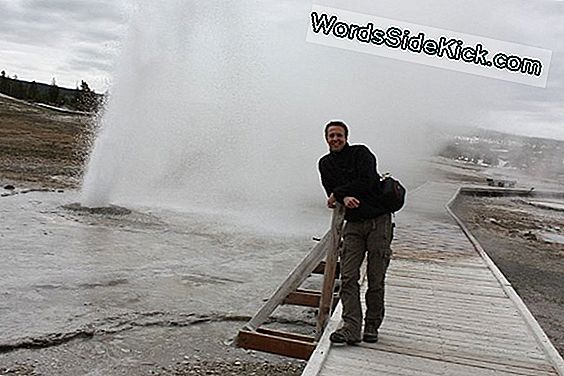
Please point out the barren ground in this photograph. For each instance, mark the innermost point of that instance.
(41, 147)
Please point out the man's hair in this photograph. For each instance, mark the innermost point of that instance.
(337, 123)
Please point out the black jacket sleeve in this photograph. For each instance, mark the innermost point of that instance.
(326, 179)
(366, 175)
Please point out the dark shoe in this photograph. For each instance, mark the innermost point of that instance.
(370, 333)
(343, 336)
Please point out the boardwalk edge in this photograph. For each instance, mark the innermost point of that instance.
(550, 351)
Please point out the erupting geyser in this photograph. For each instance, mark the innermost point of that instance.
(220, 105)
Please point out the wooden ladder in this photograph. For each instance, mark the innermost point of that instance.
(322, 259)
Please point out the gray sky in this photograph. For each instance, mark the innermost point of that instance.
(70, 40)
(75, 40)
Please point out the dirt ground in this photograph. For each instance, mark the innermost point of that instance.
(41, 148)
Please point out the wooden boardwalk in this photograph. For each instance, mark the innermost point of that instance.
(448, 309)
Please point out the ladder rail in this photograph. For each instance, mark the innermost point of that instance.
(327, 292)
(292, 282)
(252, 336)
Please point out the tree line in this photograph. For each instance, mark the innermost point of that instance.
(80, 99)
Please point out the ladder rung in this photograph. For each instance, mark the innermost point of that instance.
(320, 269)
(275, 344)
(307, 299)
(279, 333)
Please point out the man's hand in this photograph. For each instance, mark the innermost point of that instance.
(351, 202)
(331, 202)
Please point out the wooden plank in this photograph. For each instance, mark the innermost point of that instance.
(444, 306)
(445, 296)
(274, 344)
(326, 299)
(323, 347)
(518, 366)
(279, 333)
(482, 348)
(489, 303)
(306, 299)
(317, 359)
(447, 278)
(417, 276)
(374, 362)
(458, 328)
(460, 289)
(309, 291)
(418, 317)
(491, 332)
(479, 274)
(476, 305)
(496, 317)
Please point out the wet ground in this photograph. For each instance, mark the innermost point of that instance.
(131, 291)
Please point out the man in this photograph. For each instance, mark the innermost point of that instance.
(349, 176)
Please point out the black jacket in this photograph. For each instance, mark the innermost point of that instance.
(352, 172)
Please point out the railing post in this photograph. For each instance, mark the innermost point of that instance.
(326, 300)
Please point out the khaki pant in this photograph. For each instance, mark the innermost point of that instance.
(372, 237)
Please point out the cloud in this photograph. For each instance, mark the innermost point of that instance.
(84, 11)
(88, 65)
(70, 40)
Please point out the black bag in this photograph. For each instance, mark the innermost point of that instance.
(392, 194)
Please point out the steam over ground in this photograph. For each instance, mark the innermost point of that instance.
(220, 105)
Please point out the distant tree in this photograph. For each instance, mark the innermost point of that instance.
(53, 92)
(86, 99)
(18, 90)
(84, 87)
(3, 82)
(32, 92)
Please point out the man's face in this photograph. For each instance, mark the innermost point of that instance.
(336, 138)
